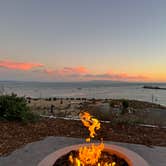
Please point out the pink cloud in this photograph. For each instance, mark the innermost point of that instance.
(82, 73)
(67, 71)
(75, 70)
(19, 65)
(49, 71)
(121, 76)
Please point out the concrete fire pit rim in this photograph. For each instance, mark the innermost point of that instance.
(132, 158)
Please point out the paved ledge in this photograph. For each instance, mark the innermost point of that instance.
(33, 153)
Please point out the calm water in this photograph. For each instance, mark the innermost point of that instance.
(86, 89)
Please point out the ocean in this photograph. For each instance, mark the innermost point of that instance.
(92, 89)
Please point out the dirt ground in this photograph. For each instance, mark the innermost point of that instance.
(14, 135)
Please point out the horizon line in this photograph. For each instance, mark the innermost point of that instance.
(113, 81)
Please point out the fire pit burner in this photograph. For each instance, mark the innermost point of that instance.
(104, 159)
(130, 157)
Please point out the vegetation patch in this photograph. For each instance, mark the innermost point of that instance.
(14, 108)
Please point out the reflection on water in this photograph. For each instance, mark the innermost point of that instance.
(87, 89)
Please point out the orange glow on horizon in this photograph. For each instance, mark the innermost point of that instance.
(81, 73)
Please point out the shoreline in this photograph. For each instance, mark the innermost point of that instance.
(91, 99)
(89, 90)
(103, 109)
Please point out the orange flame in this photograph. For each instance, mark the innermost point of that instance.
(89, 155)
(91, 123)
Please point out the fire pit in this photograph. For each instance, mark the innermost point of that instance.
(93, 154)
(130, 157)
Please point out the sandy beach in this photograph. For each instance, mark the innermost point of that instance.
(137, 111)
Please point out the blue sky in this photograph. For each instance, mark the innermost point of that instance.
(105, 37)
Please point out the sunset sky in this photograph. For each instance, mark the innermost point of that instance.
(80, 40)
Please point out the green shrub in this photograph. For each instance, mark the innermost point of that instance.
(125, 104)
(112, 104)
(13, 107)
